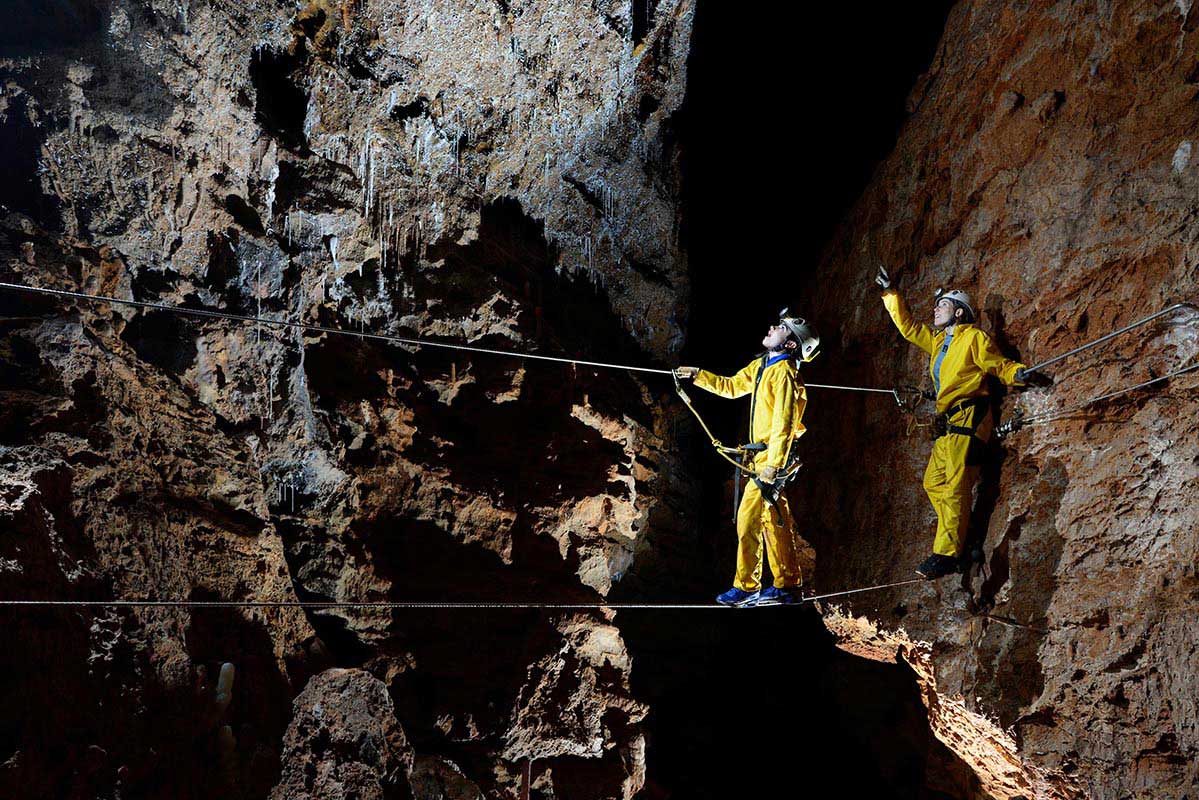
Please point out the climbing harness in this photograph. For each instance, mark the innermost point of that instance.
(397, 605)
(733, 455)
(746, 454)
(941, 425)
(1020, 420)
(737, 456)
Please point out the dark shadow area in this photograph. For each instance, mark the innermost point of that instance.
(46, 25)
(755, 218)
(1031, 547)
(819, 112)
(258, 712)
(31, 392)
(280, 102)
(315, 185)
(781, 130)
(642, 12)
(163, 339)
(761, 703)
(571, 313)
(244, 214)
(20, 166)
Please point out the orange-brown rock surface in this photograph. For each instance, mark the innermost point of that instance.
(344, 741)
(1046, 168)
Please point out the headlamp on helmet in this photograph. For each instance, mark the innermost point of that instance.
(805, 335)
(959, 299)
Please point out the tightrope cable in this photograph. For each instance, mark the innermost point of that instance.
(852, 388)
(1112, 335)
(431, 605)
(863, 589)
(283, 323)
(334, 604)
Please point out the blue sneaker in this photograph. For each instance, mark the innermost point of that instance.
(781, 597)
(738, 598)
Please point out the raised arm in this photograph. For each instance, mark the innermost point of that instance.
(915, 332)
(739, 385)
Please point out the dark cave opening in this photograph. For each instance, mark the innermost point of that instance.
(165, 340)
(762, 702)
(40, 25)
(762, 698)
(21, 165)
(642, 12)
(281, 102)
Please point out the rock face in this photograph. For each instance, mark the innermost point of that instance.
(344, 742)
(502, 174)
(1046, 168)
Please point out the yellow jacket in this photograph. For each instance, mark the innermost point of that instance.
(777, 406)
(972, 355)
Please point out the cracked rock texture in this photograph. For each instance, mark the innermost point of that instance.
(344, 741)
(506, 174)
(1047, 168)
(503, 174)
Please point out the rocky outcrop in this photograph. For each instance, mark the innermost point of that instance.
(502, 174)
(1046, 168)
(344, 742)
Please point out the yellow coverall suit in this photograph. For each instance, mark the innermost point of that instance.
(954, 464)
(777, 407)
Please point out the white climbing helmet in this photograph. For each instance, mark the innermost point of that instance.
(960, 298)
(805, 334)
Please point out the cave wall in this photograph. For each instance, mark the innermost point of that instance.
(506, 173)
(501, 173)
(1047, 168)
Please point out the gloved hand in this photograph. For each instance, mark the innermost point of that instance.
(882, 278)
(768, 474)
(686, 373)
(1027, 377)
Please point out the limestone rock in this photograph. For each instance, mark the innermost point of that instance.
(344, 742)
(436, 778)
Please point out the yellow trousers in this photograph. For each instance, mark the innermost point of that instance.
(949, 480)
(757, 519)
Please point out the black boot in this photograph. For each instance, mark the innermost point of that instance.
(938, 566)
